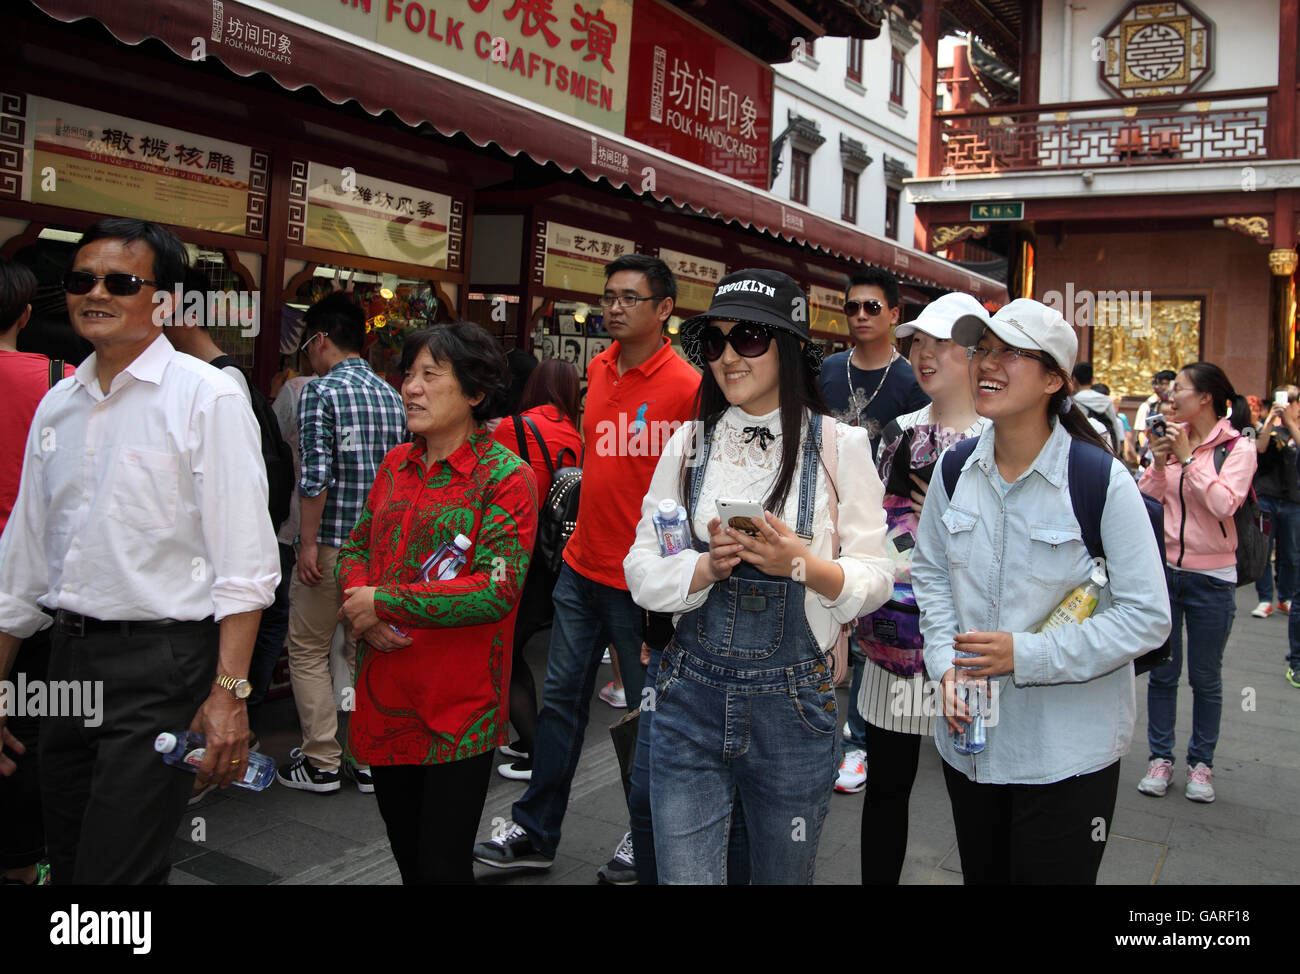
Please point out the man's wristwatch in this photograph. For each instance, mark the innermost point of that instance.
(239, 688)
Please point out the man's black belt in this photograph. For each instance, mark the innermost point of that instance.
(72, 624)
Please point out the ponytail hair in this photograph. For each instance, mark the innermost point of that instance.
(1072, 418)
(1209, 379)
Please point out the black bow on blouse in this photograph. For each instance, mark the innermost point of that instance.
(764, 435)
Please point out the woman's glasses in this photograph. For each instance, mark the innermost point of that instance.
(746, 338)
(981, 352)
(873, 307)
(122, 285)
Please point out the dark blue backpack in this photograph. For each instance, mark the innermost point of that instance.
(1088, 473)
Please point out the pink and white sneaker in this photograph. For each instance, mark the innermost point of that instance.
(1157, 780)
(1199, 785)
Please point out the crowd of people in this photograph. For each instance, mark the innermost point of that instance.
(928, 518)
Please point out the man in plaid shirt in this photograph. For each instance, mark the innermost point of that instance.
(348, 419)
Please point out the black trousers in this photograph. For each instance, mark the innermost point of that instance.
(112, 806)
(1033, 834)
(893, 758)
(22, 831)
(432, 812)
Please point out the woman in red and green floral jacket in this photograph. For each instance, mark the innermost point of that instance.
(432, 705)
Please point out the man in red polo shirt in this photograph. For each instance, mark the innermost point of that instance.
(638, 392)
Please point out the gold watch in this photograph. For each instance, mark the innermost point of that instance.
(239, 688)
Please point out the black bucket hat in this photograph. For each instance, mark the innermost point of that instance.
(764, 297)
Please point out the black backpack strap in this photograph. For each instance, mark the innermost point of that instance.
(954, 459)
(559, 458)
(1088, 474)
(1221, 453)
(56, 371)
(224, 361)
(523, 440)
(541, 445)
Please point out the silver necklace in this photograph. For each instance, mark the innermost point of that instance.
(848, 376)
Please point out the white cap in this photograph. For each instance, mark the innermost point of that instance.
(936, 318)
(668, 507)
(165, 742)
(462, 542)
(1024, 323)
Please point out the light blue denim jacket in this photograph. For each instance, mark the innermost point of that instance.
(992, 564)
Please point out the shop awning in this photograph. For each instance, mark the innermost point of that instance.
(381, 79)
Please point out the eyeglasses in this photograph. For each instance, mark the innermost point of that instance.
(873, 307)
(748, 339)
(625, 301)
(319, 334)
(980, 352)
(122, 285)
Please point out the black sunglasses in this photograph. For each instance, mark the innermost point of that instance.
(122, 285)
(873, 307)
(747, 338)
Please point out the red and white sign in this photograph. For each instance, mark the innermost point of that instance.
(693, 96)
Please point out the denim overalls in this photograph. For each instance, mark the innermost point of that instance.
(744, 710)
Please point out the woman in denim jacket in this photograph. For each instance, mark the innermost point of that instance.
(992, 562)
(745, 714)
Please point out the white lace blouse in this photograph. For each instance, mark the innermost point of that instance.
(744, 470)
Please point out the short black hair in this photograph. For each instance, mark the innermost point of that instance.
(1165, 375)
(1101, 387)
(475, 357)
(658, 274)
(1083, 373)
(340, 318)
(17, 287)
(875, 277)
(170, 258)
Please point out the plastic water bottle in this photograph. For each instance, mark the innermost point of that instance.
(973, 737)
(185, 749)
(443, 564)
(670, 527)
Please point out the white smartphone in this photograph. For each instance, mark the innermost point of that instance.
(1280, 397)
(737, 514)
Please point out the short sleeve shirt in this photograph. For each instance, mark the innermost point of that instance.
(871, 398)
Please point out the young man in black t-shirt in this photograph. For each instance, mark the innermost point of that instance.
(870, 385)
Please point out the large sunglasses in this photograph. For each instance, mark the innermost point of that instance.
(122, 285)
(873, 307)
(748, 339)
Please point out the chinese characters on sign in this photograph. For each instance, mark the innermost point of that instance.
(246, 35)
(576, 259)
(370, 217)
(998, 211)
(697, 278)
(110, 164)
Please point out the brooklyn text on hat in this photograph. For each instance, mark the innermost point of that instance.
(764, 297)
(746, 286)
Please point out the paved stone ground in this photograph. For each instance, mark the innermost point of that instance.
(1248, 836)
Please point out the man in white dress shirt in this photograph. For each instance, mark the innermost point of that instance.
(141, 525)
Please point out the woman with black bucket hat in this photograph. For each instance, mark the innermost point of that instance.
(744, 699)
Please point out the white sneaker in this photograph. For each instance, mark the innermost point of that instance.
(1199, 787)
(853, 773)
(1157, 780)
(1263, 610)
(616, 698)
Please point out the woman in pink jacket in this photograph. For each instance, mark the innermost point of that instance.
(1200, 498)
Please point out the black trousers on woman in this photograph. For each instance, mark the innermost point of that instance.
(1033, 834)
(893, 758)
(431, 812)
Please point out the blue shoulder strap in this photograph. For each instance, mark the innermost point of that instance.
(1089, 478)
(954, 459)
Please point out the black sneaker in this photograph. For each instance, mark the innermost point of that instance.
(621, 869)
(510, 848)
(302, 774)
(520, 770)
(361, 775)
